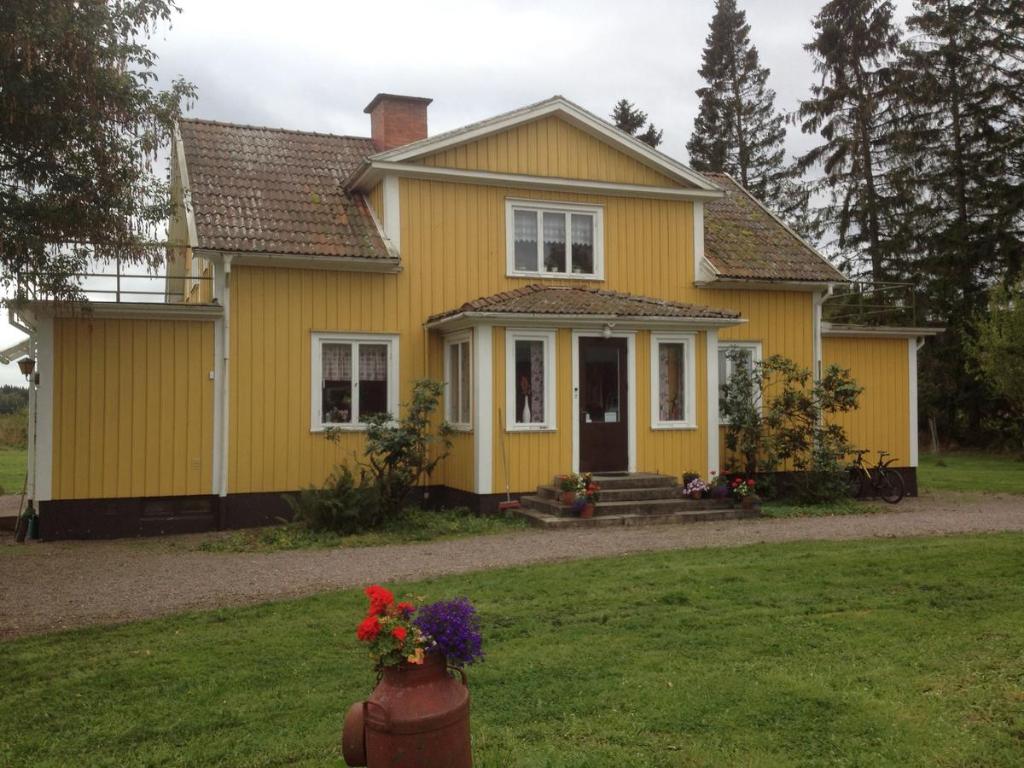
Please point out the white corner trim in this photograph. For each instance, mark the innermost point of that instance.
(689, 342)
(225, 370)
(912, 382)
(816, 301)
(317, 340)
(219, 390)
(549, 337)
(631, 414)
(481, 353)
(44, 410)
(714, 450)
(540, 207)
(392, 212)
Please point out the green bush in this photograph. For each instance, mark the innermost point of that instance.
(345, 504)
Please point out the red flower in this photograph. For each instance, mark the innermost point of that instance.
(380, 599)
(369, 629)
(750, 482)
(399, 634)
(406, 608)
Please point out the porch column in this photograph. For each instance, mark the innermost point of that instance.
(483, 400)
(43, 472)
(711, 341)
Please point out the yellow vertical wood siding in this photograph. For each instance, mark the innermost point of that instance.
(133, 408)
(549, 146)
(881, 367)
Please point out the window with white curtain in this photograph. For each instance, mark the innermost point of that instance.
(458, 381)
(354, 376)
(530, 380)
(554, 239)
(673, 381)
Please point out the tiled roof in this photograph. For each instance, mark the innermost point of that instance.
(743, 240)
(576, 300)
(275, 191)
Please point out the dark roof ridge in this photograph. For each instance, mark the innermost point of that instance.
(249, 127)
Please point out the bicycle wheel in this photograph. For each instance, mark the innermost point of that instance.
(890, 487)
(855, 483)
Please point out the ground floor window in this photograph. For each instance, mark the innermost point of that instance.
(673, 381)
(458, 381)
(731, 354)
(354, 377)
(530, 379)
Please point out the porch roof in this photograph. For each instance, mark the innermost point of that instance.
(568, 302)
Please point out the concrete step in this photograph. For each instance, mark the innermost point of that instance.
(621, 494)
(553, 506)
(554, 522)
(634, 480)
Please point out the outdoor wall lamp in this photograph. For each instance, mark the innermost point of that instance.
(27, 365)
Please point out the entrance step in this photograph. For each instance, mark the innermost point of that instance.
(554, 506)
(631, 480)
(556, 522)
(621, 494)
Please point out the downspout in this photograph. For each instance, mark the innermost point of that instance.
(817, 302)
(225, 401)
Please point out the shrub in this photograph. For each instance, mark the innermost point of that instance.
(343, 505)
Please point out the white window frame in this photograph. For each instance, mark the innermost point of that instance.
(550, 393)
(542, 207)
(317, 423)
(689, 342)
(456, 340)
(723, 348)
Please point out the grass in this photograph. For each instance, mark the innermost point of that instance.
(971, 472)
(13, 462)
(414, 525)
(839, 507)
(879, 653)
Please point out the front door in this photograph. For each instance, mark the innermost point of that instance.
(604, 421)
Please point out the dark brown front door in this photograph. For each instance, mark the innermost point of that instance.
(604, 421)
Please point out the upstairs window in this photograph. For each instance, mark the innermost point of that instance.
(554, 240)
(354, 377)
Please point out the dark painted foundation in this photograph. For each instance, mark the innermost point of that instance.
(909, 475)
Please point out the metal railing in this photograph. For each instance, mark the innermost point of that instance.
(870, 303)
(117, 286)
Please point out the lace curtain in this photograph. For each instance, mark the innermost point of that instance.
(670, 382)
(337, 362)
(537, 381)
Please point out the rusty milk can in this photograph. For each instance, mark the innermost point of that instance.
(416, 717)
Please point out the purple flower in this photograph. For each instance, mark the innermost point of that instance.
(454, 627)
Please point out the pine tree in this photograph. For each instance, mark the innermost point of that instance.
(738, 130)
(854, 109)
(629, 118)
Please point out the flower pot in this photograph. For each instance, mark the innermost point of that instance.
(587, 510)
(568, 497)
(750, 501)
(696, 495)
(416, 710)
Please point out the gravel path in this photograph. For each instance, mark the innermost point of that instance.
(46, 587)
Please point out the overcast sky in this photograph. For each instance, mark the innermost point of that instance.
(314, 64)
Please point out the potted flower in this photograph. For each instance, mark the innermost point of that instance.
(743, 490)
(569, 486)
(718, 488)
(417, 707)
(589, 493)
(689, 477)
(696, 489)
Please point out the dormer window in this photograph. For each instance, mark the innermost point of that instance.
(554, 240)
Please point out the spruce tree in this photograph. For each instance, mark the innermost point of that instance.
(738, 130)
(854, 110)
(629, 118)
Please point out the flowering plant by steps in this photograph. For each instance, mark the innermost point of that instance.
(588, 490)
(741, 487)
(392, 635)
(695, 486)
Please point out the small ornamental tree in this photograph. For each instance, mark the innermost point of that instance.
(777, 415)
(400, 452)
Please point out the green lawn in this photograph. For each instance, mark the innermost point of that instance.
(879, 653)
(12, 469)
(975, 472)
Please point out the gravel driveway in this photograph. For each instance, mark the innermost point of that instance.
(46, 587)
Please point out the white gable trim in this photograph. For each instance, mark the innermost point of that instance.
(571, 113)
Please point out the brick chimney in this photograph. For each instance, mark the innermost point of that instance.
(397, 120)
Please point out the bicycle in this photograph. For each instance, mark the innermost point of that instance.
(886, 483)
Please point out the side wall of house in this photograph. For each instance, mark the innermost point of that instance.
(881, 367)
(133, 408)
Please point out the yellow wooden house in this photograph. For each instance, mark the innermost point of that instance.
(575, 289)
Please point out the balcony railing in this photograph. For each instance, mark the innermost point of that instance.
(869, 303)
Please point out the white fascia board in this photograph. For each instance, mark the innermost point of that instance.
(377, 170)
(880, 332)
(186, 189)
(572, 113)
(298, 261)
(125, 310)
(523, 320)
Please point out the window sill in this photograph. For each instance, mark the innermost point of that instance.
(527, 430)
(338, 428)
(554, 276)
(676, 426)
(461, 428)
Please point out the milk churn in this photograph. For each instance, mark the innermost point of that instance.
(416, 717)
